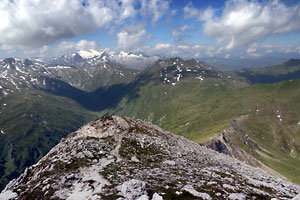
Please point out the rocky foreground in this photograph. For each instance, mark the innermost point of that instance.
(123, 158)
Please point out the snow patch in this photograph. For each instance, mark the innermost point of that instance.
(201, 78)
(169, 162)
(178, 77)
(236, 196)
(18, 69)
(59, 67)
(7, 195)
(190, 189)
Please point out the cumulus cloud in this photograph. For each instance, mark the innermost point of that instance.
(67, 46)
(132, 37)
(188, 51)
(38, 22)
(34, 23)
(180, 32)
(258, 50)
(173, 50)
(85, 45)
(6, 47)
(127, 9)
(243, 22)
(44, 50)
(200, 14)
(160, 46)
(155, 8)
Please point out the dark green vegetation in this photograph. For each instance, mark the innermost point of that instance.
(35, 120)
(32, 123)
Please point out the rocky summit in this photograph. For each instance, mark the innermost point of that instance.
(124, 158)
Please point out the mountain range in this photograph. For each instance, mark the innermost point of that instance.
(43, 100)
(232, 64)
(92, 57)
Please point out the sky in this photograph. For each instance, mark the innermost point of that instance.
(187, 28)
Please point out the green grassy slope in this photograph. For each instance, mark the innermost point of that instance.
(32, 123)
(274, 124)
(200, 110)
(189, 108)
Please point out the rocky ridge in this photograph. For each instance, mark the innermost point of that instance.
(173, 70)
(124, 158)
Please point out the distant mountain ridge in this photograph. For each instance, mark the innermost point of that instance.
(232, 64)
(16, 73)
(288, 70)
(92, 57)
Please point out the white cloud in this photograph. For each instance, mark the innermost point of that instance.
(183, 46)
(160, 46)
(174, 50)
(33, 23)
(67, 46)
(188, 51)
(258, 50)
(85, 45)
(44, 50)
(227, 56)
(252, 48)
(155, 8)
(6, 47)
(192, 12)
(180, 33)
(243, 22)
(128, 9)
(132, 37)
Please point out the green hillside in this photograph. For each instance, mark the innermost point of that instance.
(200, 110)
(274, 125)
(31, 123)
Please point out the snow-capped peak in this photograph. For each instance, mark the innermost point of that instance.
(93, 57)
(89, 54)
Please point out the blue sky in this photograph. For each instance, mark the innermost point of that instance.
(186, 28)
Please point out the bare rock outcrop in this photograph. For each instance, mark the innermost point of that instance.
(124, 158)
